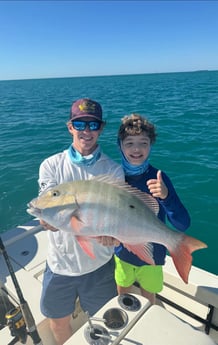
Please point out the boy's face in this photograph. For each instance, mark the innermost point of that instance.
(136, 148)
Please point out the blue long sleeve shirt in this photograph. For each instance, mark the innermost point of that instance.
(171, 208)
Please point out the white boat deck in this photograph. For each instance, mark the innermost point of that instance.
(27, 245)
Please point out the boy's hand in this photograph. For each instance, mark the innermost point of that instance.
(157, 187)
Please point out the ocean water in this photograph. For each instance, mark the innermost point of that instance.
(183, 106)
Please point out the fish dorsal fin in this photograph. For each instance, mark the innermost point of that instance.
(110, 179)
(146, 198)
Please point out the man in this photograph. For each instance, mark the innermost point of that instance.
(70, 272)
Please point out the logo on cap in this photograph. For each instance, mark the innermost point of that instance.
(87, 107)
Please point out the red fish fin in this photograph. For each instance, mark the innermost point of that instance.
(143, 251)
(76, 223)
(86, 245)
(83, 241)
(182, 257)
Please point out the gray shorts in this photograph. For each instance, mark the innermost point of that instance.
(94, 289)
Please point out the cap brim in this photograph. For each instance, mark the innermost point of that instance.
(86, 115)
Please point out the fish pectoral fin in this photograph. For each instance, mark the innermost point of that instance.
(84, 242)
(143, 251)
(76, 222)
(86, 245)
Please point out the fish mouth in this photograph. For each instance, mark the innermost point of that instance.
(33, 211)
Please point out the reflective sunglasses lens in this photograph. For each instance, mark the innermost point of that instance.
(94, 125)
(79, 125)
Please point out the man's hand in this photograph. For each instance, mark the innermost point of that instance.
(47, 226)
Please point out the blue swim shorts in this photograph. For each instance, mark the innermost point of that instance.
(94, 289)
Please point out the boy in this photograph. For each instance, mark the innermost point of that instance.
(135, 137)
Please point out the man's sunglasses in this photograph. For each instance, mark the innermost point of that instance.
(81, 125)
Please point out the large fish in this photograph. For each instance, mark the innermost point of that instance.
(104, 207)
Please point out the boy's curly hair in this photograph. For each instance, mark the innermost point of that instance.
(135, 124)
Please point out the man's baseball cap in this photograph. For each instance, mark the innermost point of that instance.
(86, 107)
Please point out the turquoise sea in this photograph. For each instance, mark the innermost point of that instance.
(183, 106)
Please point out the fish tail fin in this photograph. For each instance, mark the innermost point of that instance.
(182, 257)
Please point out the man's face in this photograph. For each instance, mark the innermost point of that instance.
(85, 141)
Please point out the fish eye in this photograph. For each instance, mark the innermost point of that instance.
(55, 193)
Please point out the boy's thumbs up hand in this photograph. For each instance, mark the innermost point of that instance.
(157, 187)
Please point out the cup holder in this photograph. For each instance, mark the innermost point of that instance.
(129, 302)
(97, 336)
(115, 318)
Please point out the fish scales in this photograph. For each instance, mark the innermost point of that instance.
(121, 214)
(113, 212)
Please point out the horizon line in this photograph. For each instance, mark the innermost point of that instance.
(109, 75)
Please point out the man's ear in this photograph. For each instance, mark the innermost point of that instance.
(102, 126)
(70, 127)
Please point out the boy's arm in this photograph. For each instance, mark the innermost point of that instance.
(176, 212)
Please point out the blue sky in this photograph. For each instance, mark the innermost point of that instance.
(43, 39)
